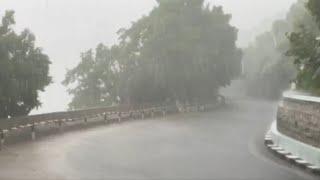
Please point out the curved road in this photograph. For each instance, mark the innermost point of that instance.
(224, 144)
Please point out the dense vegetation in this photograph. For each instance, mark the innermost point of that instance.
(268, 69)
(305, 50)
(23, 70)
(182, 51)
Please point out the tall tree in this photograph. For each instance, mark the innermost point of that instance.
(95, 79)
(187, 50)
(267, 67)
(24, 70)
(182, 51)
(305, 50)
(314, 7)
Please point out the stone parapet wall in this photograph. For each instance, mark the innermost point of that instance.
(298, 117)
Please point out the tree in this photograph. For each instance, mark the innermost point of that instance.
(95, 78)
(268, 68)
(314, 8)
(305, 50)
(23, 70)
(182, 51)
(187, 50)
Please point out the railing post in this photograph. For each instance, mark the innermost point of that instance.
(2, 137)
(105, 117)
(152, 113)
(33, 132)
(119, 117)
(60, 125)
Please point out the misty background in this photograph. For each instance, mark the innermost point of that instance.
(65, 28)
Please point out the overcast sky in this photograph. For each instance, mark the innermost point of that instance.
(64, 28)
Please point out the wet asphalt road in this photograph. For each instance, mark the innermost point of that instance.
(220, 145)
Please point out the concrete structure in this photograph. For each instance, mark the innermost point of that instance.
(296, 132)
(294, 148)
(299, 117)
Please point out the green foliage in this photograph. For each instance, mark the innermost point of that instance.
(182, 51)
(23, 70)
(95, 78)
(267, 68)
(314, 7)
(266, 61)
(305, 50)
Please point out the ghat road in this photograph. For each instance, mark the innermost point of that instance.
(223, 144)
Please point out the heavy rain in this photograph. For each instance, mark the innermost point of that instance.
(159, 89)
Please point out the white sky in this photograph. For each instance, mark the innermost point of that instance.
(64, 28)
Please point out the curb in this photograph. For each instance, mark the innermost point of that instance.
(288, 156)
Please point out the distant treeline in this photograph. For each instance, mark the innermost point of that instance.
(184, 50)
(276, 57)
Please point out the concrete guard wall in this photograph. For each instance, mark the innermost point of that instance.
(304, 151)
(298, 117)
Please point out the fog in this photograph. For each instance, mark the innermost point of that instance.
(65, 28)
